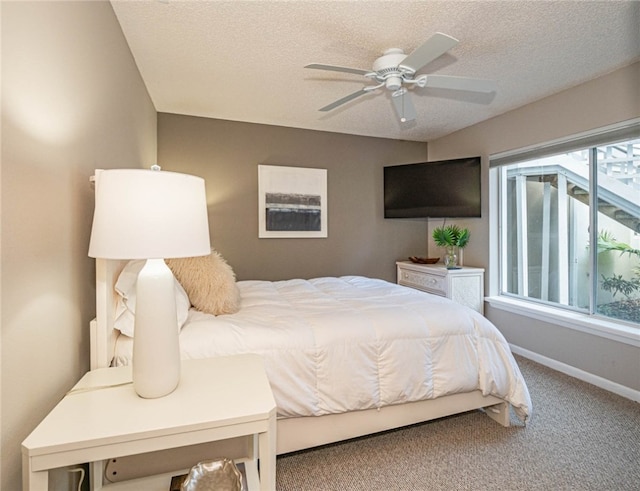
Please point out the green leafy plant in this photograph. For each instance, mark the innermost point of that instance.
(606, 242)
(451, 236)
(617, 284)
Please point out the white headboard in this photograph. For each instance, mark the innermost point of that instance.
(103, 335)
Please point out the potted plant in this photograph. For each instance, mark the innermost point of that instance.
(452, 238)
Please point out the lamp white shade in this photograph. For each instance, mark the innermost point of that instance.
(142, 214)
(152, 215)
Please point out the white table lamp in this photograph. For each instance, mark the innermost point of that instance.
(152, 215)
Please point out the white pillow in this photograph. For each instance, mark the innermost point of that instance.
(126, 304)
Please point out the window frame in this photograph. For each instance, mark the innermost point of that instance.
(566, 316)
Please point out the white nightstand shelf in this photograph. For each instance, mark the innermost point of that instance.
(102, 418)
(464, 285)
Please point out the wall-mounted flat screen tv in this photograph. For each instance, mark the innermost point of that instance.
(442, 189)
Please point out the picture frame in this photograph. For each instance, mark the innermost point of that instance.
(292, 202)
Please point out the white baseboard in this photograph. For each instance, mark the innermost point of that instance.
(603, 383)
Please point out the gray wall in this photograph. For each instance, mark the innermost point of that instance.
(72, 101)
(610, 99)
(226, 154)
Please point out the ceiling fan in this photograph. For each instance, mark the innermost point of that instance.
(396, 72)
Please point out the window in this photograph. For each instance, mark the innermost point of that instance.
(556, 203)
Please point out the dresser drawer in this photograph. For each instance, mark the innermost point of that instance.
(463, 285)
(424, 281)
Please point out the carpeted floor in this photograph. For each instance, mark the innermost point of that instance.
(579, 438)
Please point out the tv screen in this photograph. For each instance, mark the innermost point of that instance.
(443, 189)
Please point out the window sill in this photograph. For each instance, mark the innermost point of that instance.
(596, 326)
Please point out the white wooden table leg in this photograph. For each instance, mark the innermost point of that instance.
(251, 473)
(96, 471)
(267, 449)
(32, 480)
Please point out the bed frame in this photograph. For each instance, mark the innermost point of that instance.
(292, 433)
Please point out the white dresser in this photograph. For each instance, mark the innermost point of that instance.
(464, 285)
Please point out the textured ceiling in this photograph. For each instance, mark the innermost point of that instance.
(243, 60)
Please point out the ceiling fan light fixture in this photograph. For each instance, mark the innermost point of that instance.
(394, 82)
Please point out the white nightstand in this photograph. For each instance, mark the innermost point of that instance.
(102, 418)
(464, 285)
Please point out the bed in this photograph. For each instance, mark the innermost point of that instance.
(346, 357)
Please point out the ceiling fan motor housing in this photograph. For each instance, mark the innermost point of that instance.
(387, 70)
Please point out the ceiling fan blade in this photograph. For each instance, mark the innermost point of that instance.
(333, 68)
(435, 46)
(461, 83)
(344, 100)
(403, 105)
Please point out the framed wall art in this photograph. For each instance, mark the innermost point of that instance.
(292, 202)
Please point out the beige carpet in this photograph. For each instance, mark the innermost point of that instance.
(579, 438)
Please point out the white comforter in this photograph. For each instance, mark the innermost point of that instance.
(332, 345)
